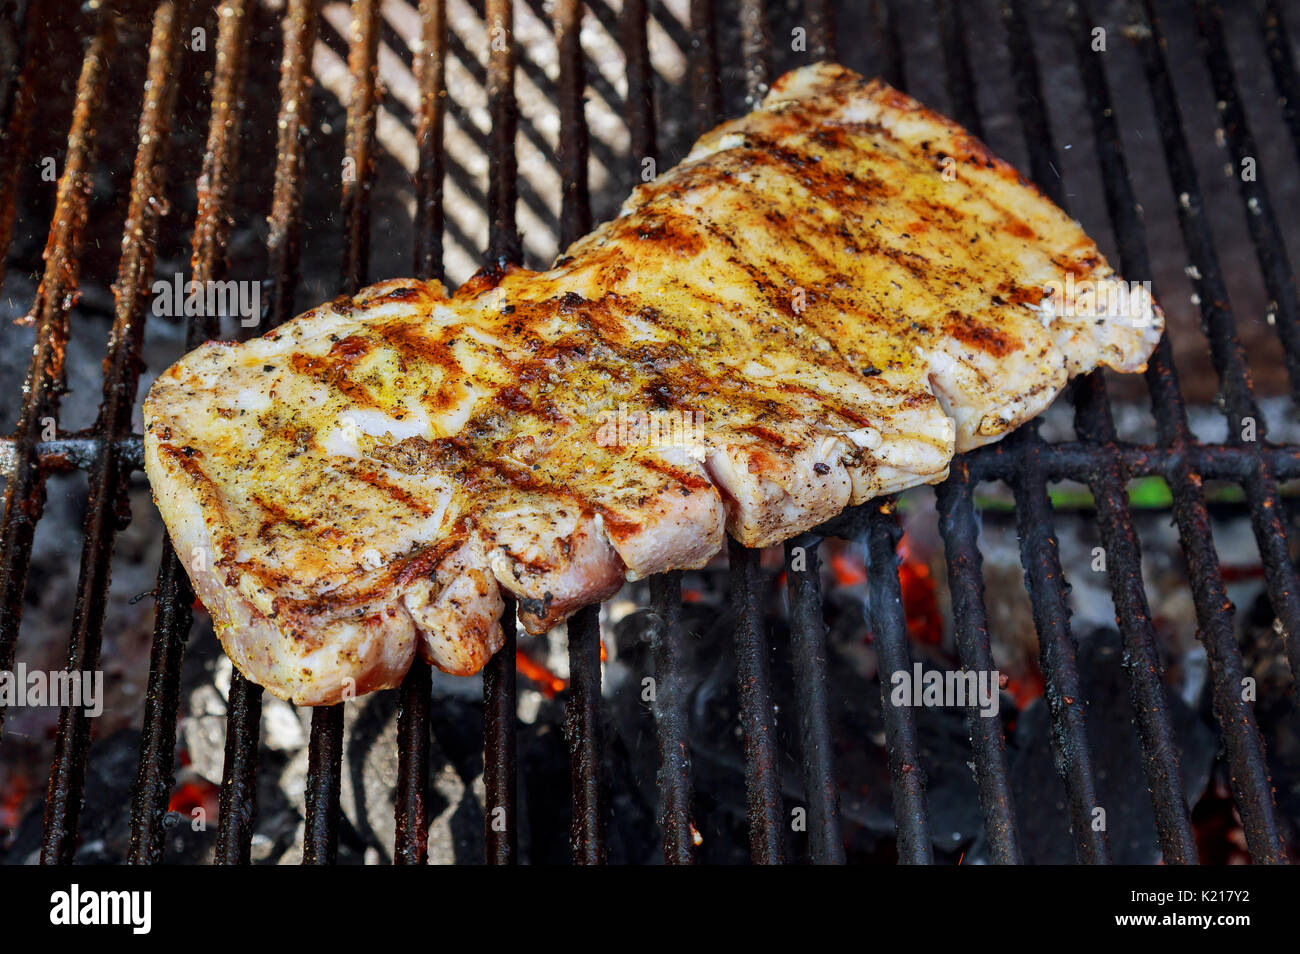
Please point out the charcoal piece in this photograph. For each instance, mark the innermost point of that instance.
(1039, 793)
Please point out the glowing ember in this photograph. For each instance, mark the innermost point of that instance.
(847, 572)
(197, 793)
(12, 802)
(920, 604)
(1026, 689)
(547, 682)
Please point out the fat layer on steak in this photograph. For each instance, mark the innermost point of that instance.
(821, 304)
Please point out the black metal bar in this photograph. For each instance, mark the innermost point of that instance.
(892, 67)
(284, 240)
(640, 85)
(70, 453)
(889, 635)
(970, 624)
(359, 158)
(1029, 100)
(1039, 553)
(24, 493)
(16, 114)
(812, 707)
(1071, 460)
(503, 186)
(1281, 60)
(431, 76)
(820, 15)
(238, 800)
(757, 713)
(320, 843)
(1236, 396)
(956, 57)
(173, 594)
(216, 184)
(706, 88)
(667, 641)
(671, 706)
(755, 51)
(107, 507)
(960, 532)
(499, 747)
(753, 667)
(504, 248)
(173, 598)
(1261, 220)
(582, 709)
(1248, 776)
(1106, 481)
(410, 841)
(1076, 460)
(324, 773)
(1093, 420)
(584, 731)
(1160, 759)
(575, 198)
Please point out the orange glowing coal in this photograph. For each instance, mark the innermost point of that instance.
(920, 604)
(847, 572)
(916, 583)
(11, 803)
(195, 793)
(547, 682)
(1025, 689)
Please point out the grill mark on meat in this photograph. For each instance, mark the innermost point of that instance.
(399, 494)
(796, 163)
(1018, 228)
(425, 562)
(409, 341)
(1019, 294)
(401, 295)
(689, 480)
(186, 460)
(413, 346)
(762, 281)
(671, 384)
(819, 176)
(979, 335)
(826, 327)
(332, 369)
(419, 565)
(671, 231)
(920, 268)
(528, 481)
(278, 515)
(1080, 267)
(836, 407)
(487, 278)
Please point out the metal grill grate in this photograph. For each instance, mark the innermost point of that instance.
(109, 452)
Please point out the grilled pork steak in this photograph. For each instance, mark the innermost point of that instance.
(822, 303)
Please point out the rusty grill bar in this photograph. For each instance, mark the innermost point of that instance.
(109, 452)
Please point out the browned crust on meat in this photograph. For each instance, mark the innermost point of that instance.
(809, 284)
